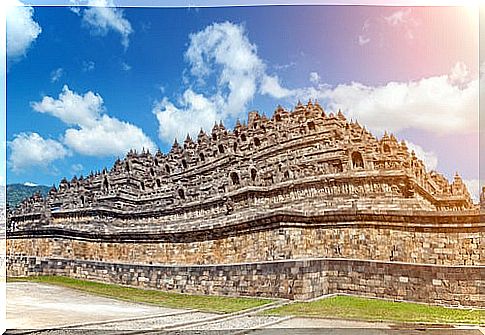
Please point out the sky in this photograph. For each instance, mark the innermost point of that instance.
(86, 84)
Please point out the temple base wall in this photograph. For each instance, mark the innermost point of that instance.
(365, 240)
(291, 279)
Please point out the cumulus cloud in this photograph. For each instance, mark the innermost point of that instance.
(30, 149)
(199, 112)
(72, 108)
(429, 158)
(270, 85)
(459, 74)
(97, 134)
(56, 74)
(106, 137)
(103, 16)
(474, 188)
(221, 53)
(225, 48)
(439, 104)
(224, 63)
(314, 77)
(22, 30)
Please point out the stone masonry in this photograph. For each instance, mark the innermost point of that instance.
(300, 185)
(290, 279)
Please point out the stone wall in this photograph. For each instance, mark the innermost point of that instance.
(292, 279)
(456, 243)
(427, 257)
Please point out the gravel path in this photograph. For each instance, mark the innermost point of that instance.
(154, 323)
(240, 322)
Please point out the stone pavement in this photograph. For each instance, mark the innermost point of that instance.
(34, 306)
(39, 306)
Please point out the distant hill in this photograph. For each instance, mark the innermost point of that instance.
(18, 192)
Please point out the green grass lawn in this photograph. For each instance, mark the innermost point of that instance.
(166, 299)
(348, 307)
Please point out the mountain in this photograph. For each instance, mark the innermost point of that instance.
(18, 192)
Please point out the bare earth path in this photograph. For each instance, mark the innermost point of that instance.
(41, 306)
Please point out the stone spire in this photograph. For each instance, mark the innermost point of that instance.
(188, 142)
(341, 115)
(176, 148)
(318, 107)
(309, 104)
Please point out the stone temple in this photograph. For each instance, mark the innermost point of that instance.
(299, 205)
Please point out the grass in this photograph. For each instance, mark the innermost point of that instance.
(206, 303)
(338, 307)
(355, 308)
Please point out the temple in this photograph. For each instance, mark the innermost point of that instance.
(341, 162)
(267, 198)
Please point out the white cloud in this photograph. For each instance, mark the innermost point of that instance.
(284, 66)
(270, 85)
(314, 77)
(199, 112)
(429, 158)
(77, 168)
(88, 66)
(398, 25)
(28, 183)
(103, 17)
(223, 53)
(22, 30)
(398, 17)
(363, 40)
(474, 188)
(30, 149)
(224, 47)
(459, 74)
(125, 66)
(72, 108)
(75, 10)
(433, 104)
(108, 136)
(97, 134)
(402, 22)
(224, 44)
(56, 74)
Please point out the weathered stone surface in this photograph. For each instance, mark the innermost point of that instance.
(435, 244)
(291, 279)
(304, 159)
(281, 192)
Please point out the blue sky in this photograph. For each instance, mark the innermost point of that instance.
(84, 84)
